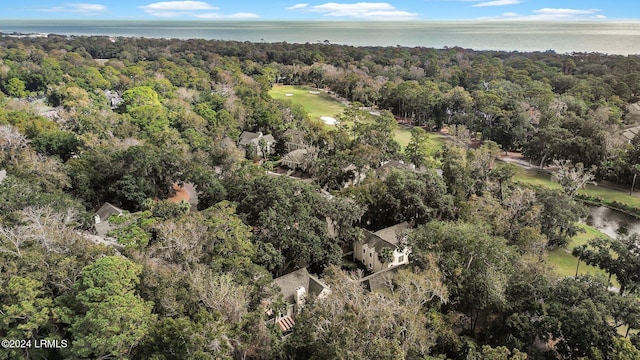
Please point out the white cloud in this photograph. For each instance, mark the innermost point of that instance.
(87, 8)
(297, 7)
(198, 9)
(176, 8)
(83, 8)
(564, 12)
(361, 10)
(497, 3)
(548, 14)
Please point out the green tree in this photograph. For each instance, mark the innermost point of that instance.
(623, 349)
(617, 257)
(477, 265)
(111, 319)
(61, 143)
(292, 217)
(559, 216)
(578, 318)
(29, 314)
(139, 96)
(503, 173)
(176, 338)
(417, 151)
(15, 88)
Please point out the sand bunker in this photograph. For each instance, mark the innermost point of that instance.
(314, 92)
(288, 94)
(329, 120)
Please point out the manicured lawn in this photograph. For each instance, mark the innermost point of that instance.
(565, 263)
(316, 105)
(537, 178)
(436, 142)
(322, 104)
(609, 195)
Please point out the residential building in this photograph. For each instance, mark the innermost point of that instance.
(262, 143)
(295, 287)
(294, 140)
(295, 159)
(102, 218)
(383, 249)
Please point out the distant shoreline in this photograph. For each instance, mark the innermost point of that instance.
(606, 37)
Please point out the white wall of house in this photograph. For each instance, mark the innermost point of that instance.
(369, 257)
(400, 257)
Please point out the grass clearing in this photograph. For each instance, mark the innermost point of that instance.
(436, 142)
(322, 104)
(540, 178)
(565, 263)
(316, 105)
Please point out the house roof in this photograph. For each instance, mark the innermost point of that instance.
(391, 233)
(246, 137)
(3, 175)
(380, 280)
(385, 168)
(373, 240)
(385, 238)
(269, 138)
(629, 134)
(106, 210)
(250, 137)
(290, 282)
(294, 136)
(295, 156)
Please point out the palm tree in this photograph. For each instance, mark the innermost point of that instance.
(579, 252)
(385, 256)
(635, 169)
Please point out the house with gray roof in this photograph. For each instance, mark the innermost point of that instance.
(381, 279)
(383, 249)
(262, 143)
(295, 159)
(101, 218)
(295, 287)
(294, 139)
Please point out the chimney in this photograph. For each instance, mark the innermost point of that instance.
(300, 297)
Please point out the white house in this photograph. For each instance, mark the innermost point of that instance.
(383, 249)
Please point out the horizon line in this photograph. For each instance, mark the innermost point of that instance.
(325, 20)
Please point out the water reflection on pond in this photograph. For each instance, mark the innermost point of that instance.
(611, 222)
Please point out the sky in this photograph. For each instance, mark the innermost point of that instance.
(548, 10)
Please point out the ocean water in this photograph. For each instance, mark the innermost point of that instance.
(606, 37)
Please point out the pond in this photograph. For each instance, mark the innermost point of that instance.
(612, 222)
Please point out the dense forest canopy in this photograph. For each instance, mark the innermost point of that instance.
(214, 189)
